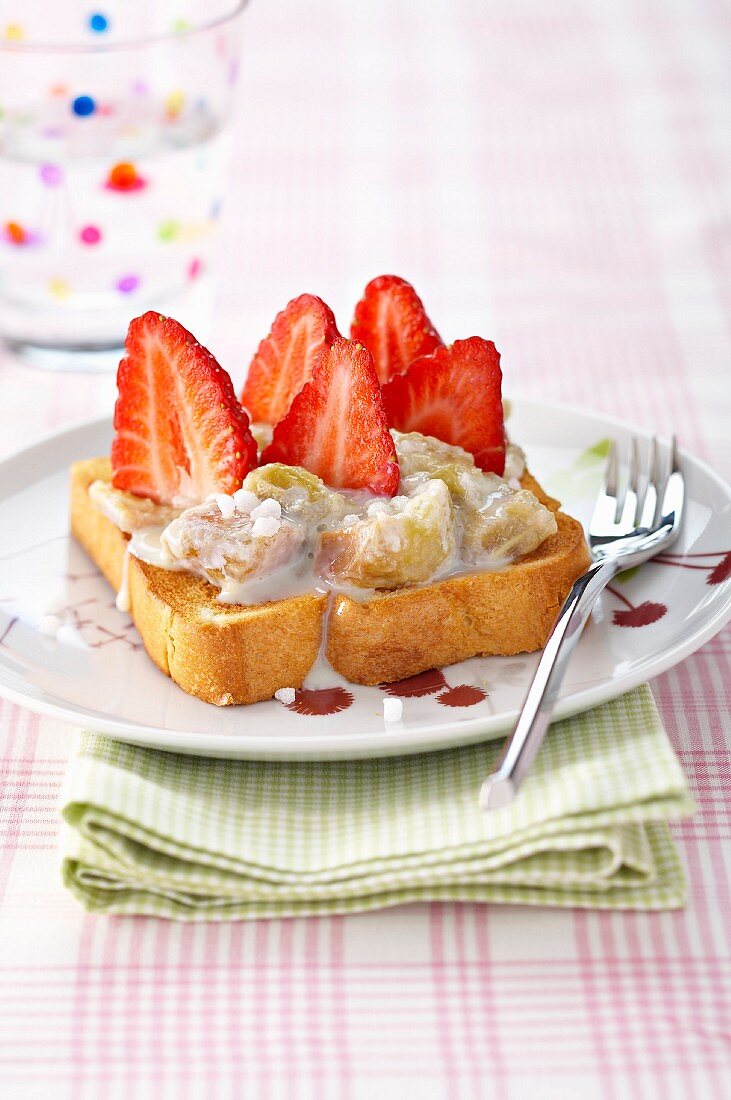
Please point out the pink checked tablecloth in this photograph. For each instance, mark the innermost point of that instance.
(556, 176)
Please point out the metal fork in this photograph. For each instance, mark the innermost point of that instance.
(632, 521)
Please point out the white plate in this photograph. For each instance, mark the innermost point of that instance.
(96, 674)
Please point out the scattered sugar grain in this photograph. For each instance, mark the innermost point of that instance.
(392, 709)
(49, 626)
(57, 601)
(245, 500)
(67, 634)
(265, 526)
(285, 695)
(226, 504)
(268, 509)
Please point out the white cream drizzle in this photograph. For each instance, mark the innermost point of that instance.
(297, 577)
(322, 674)
(123, 601)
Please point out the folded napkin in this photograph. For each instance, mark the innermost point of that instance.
(198, 839)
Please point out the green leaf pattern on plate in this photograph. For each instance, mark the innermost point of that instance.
(584, 477)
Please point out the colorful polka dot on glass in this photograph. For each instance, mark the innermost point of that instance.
(124, 177)
(15, 233)
(98, 23)
(83, 105)
(121, 155)
(128, 284)
(51, 174)
(90, 234)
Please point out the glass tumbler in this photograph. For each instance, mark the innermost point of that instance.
(114, 141)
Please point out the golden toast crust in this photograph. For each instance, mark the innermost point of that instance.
(247, 653)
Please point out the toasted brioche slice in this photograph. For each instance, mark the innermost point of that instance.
(236, 654)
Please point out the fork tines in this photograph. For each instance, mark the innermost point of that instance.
(637, 498)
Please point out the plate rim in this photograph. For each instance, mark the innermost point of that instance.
(332, 745)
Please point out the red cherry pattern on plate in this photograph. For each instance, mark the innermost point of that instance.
(426, 683)
(414, 687)
(641, 614)
(8, 627)
(644, 614)
(321, 701)
(463, 695)
(717, 573)
(720, 572)
(87, 616)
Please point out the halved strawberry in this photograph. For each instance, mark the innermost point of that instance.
(336, 427)
(284, 360)
(392, 323)
(180, 432)
(454, 395)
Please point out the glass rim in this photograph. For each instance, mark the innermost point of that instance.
(14, 46)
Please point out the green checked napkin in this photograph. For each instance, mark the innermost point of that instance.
(198, 839)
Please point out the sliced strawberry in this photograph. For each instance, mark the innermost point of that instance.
(392, 323)
(284, 360)
(454, 395)
(336, 427)
(180, 432)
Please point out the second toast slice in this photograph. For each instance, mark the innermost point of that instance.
(243, 654)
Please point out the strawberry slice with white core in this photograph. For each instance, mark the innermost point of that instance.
(180, 432)
(391, 321)
(336, 427)
(454, 395)
(284, 360)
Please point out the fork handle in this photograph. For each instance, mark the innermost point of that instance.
(500, 788)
